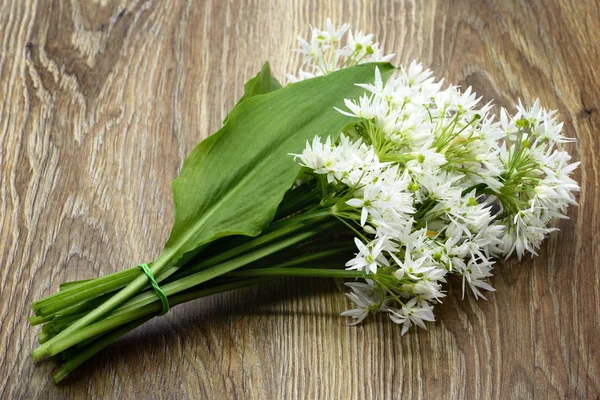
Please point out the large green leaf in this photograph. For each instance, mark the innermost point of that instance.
(233, 181)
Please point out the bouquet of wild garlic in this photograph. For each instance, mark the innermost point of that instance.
(427, 182)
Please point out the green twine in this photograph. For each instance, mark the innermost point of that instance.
(157, 289)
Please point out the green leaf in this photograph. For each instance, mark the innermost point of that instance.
(233, 181)
(262, 83)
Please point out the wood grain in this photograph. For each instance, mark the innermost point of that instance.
(101, 100)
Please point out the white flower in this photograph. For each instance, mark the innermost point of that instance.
(366, 107)
(332, 34)
(413, 312)
(326, 53)
(319, 157)
(380, 89)
(474, 275)
(542, 123)
(368, 202)
(525, 232)
(425, 161)
(417, 76)
(369, 257)
(307, 49)
(411, 268)
(358, 42)
(366, 300)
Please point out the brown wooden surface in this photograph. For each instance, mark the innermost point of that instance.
(100, 101)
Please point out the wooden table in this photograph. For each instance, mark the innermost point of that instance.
(101, 101)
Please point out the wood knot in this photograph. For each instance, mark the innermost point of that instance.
(587, 112)
(120, 15)
(29, 53)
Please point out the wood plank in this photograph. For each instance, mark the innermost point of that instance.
(101, 101)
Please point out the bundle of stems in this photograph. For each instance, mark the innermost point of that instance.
(296, 244)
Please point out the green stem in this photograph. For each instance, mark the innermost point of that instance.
(96, 332)
(129, 320)
(274, 232)
(63, 341)
(84, 290)
(360, 235)
(43, 337)
(213, 272)
(94, 348)
(289, 226)
(299, 272)
(296, 203)
(66, 317)
(146, 314)
(119, 298)
(309, 258)
(70, 285)
(73, 294)
(75, 309)
(154, 307)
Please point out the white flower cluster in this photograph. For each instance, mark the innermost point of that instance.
(433, 184)
(325, 52)
(536, 183)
